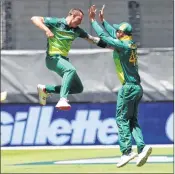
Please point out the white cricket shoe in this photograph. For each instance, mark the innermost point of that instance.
(3, 96)
(126, 158)
(42, 94)
(63, 104)
(143, 156)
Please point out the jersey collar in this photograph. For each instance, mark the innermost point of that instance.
(126, 38)
(64, 21)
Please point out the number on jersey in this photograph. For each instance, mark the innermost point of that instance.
(133, 57)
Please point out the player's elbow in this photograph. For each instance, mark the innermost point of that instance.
(36, 18)
(33, 18)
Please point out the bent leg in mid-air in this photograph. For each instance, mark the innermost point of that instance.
(71, 83)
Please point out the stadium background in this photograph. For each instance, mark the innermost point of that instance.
(91, 121)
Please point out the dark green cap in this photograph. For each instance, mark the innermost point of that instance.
(124, 26)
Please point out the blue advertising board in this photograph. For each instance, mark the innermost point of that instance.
(84, 124)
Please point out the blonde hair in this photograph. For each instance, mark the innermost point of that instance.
(74, 11)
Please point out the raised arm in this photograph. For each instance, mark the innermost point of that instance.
(111, 31)
(40, 23)
(114, 43)
(110, 41)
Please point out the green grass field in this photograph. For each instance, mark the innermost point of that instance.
(42, 161)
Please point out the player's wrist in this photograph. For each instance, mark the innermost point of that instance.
(103, 20)
(92, 20)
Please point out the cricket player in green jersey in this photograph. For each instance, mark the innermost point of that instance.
(61, 32)
(129, 96)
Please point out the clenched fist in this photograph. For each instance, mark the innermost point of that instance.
(49, 34)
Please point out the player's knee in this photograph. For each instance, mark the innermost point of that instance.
(81, 88)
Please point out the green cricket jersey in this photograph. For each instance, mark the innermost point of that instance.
(63, 36)
(124, 55)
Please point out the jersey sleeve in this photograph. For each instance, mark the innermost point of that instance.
(82, 33)
(111, 31)
(111, 42)
(50, 21)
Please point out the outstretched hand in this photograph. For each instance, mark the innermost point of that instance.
(101, 13)
(92, 12)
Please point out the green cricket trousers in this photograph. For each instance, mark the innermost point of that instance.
(71, 83)
(128, 100)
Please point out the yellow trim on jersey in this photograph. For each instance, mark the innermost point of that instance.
(119, 70)
(126, 37)
(53, 51)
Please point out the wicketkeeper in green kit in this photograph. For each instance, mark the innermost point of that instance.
(129, 96)
(61, 32)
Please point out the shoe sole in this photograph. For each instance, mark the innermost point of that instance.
(127, 161)
(3, 96)
(63, 108)
(144, 159)
(38, 89)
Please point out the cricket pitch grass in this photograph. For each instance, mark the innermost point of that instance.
(102, 160)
